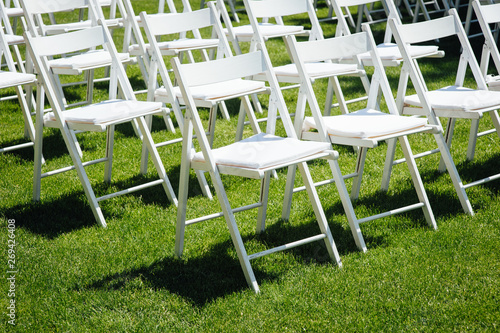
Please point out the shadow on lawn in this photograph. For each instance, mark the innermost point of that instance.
(55, 216)
(52, 218)
(217, 273)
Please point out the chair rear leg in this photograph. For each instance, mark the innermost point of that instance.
(320, 213)
(264, 198)
(417, 181)
(452, 170)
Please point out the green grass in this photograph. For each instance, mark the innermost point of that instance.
(74, 276)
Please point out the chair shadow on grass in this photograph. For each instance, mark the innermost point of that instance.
(52, 217)
(217, 273)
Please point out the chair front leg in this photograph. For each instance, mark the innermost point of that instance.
(264, 199)
(360, 165)
(110, 133)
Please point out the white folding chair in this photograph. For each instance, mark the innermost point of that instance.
(388, 51)
(12, 78)
(86, 61)
(98, 117)
(255, 157)
(452, 102)
(160, 25)
(364, 128)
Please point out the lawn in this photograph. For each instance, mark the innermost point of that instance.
(73, 276)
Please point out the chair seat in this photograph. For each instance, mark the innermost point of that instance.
(11, 79)
(86, 60)
(268, 29)
(107, 112)
(14, 39)
(183, 43)
(365, 124)
(263, 151)
(316, 69)
(455, 98)
(217, 90)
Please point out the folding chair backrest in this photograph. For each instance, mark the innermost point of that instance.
(45, 47)
(441, 28)
(347, 46)
(35, 10)
(259, 10)
(236, 67)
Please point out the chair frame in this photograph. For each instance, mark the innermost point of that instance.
(439, 28)
(25, 99)
(41, 48)
(241, 66)
(335, 48)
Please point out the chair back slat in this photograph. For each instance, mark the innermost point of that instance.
(171, 23)
(67, 43)
(272, 8)
(224, 69)
(52, 6)
(429, 30)
(340, 47)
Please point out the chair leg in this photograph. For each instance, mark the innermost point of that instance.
(37, 174)
(417, 181)
(155, 157)
(347, 204)
(233, 230)
(264, 198)
(183, 191)
(82, 175)
(320, 213)
(471, 146)
(389, 162)
(287, 201)
(360, 166)
(448, 138)
(110, 133)
(452, 170)
(246, 109)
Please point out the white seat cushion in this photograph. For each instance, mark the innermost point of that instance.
(458, 98)
(86, 60)
(184, 43)
(390, 51)
(107, 111)
(264, 150)
(366, 124)
(217, 90)
(11, 79)
(315, 69)
(268, 29)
